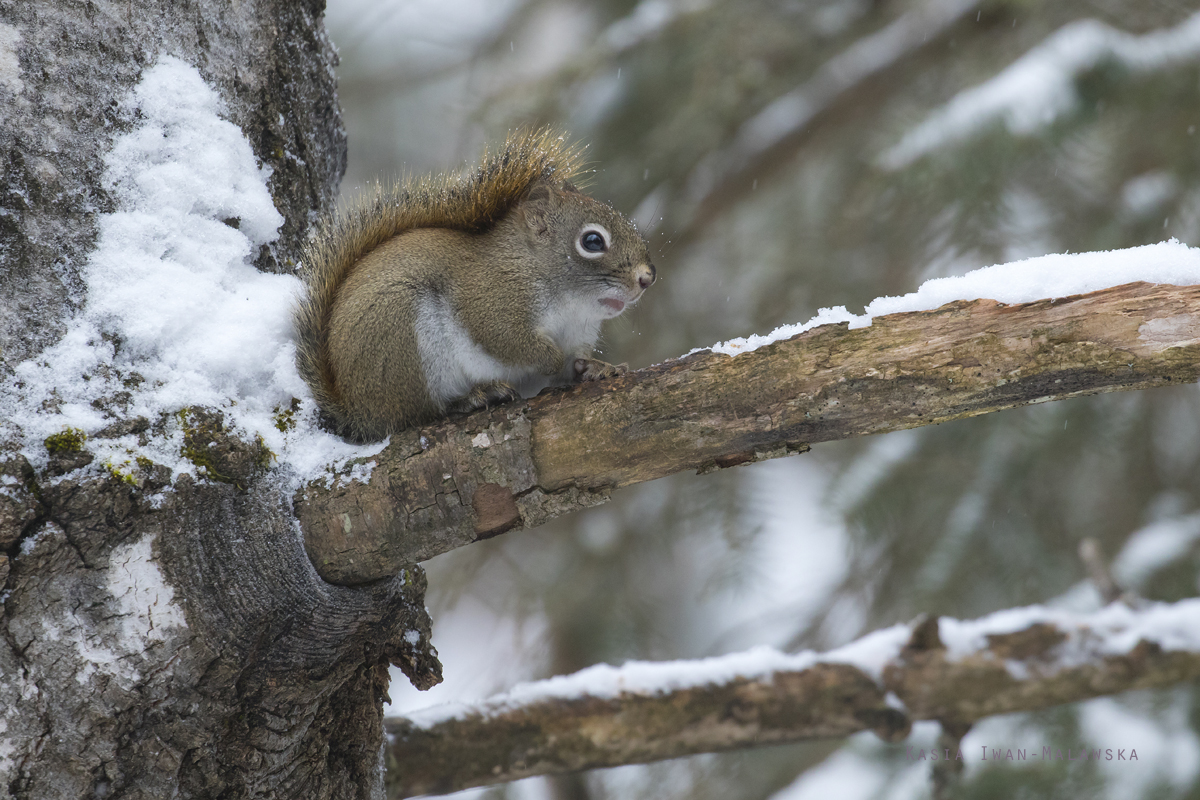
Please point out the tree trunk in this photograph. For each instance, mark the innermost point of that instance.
(165, 640)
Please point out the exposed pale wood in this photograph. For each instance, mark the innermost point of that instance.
(570, 449)
(828, 700)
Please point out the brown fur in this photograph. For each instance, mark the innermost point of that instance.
(471, 202)
(488, 252)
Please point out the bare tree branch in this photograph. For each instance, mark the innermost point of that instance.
(984, 668)
(434, 489)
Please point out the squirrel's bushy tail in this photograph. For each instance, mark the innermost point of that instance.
(472, 201)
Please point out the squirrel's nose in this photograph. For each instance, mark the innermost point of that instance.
(645, 275)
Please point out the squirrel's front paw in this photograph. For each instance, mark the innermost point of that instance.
(590, 369)
(485, 395)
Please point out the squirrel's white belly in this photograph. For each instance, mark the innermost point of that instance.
(573, 323)
(454, 363)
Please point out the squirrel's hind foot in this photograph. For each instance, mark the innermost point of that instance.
(485, 395)
(591, 369)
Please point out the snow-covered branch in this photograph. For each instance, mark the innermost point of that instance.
(947, 670)
(438, 488)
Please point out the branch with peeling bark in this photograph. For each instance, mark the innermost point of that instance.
(441, 487)
(884, 682)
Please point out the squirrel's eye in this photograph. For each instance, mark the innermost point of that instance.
(593, 242)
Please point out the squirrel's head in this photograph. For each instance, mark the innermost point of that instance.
(592, 248)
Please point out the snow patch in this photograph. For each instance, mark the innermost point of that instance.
(634, 677)
(8, 747)
(361, 472)
(10, 64)
(112, 641)
(1113, 630)
(1050, 276)
(176, 313)
(146, 601)
(872, 652)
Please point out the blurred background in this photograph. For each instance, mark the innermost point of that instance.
(781, 156)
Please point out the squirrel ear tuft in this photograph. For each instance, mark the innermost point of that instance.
(538, 193)
(570, 187)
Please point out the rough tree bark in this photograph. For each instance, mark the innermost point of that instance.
(229, 669)
(164, 638)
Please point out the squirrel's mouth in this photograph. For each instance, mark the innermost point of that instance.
(613, 304)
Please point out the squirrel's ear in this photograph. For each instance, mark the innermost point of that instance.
(539, 192)
(570, 187)
(536, 209)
